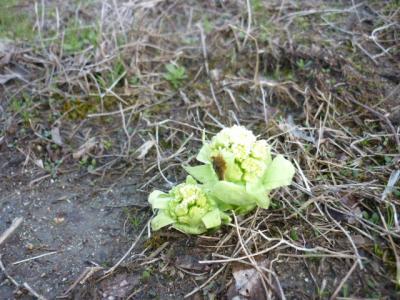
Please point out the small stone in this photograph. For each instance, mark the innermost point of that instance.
(59, 220)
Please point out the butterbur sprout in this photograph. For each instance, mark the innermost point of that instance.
(249, 172)
(237, 174)
(187, 208)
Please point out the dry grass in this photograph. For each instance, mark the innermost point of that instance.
(319, 82)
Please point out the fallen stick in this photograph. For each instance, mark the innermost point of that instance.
(129, 251)
(33, 292)
(33, 258)
(18, 286)
(88, 272)
(14, 225)
(12, 280)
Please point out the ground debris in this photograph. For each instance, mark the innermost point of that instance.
(248, 283)
(119, 286)
(190, 262)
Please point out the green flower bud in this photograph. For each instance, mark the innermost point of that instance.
(187, 208)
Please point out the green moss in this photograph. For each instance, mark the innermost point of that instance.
(23, 107)
(257, 6)
(175, 75)
(15, 23)
(146, 275)
(207, 25)
(78, 38)
(303, 23)
(281, 73)
(78, 109)
(154, 242)
(160, 108)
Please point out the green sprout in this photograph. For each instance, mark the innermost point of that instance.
(239, 171)
(237, 174)
(175, 75)
(186, 208)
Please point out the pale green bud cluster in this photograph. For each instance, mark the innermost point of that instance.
(239, 146)
(189, 203)
(236, 140)
(237, 174)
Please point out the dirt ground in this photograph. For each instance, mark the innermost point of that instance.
(93, 118)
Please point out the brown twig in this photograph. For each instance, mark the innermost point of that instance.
(380, 116)
(14, 225)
